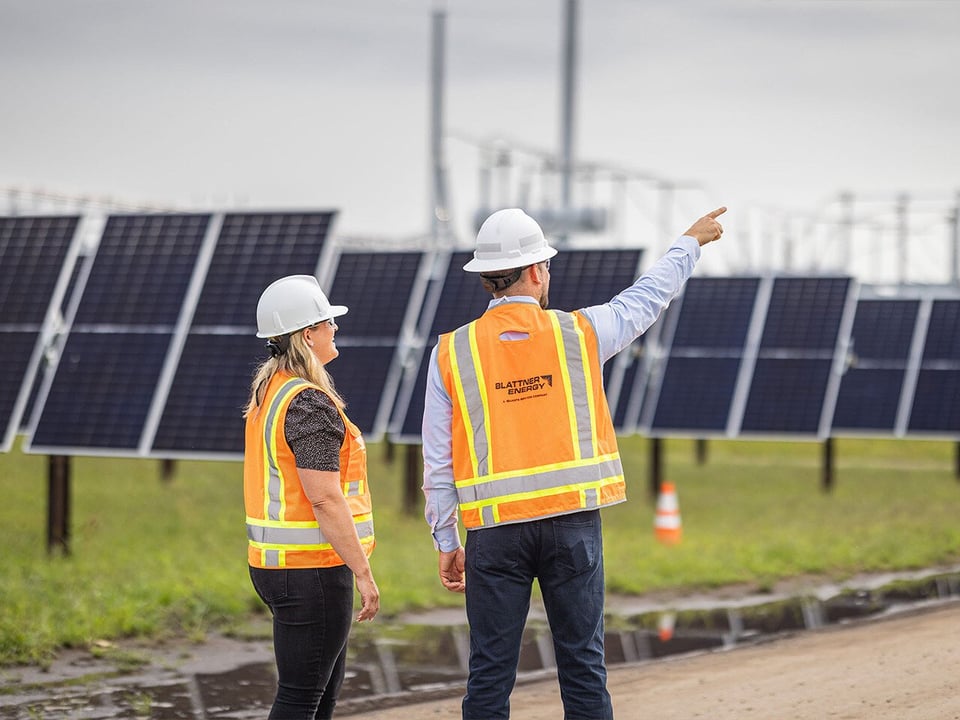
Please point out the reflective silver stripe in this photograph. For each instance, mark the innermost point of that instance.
(591, 498)
(353, 488)
(591, 471)
(471, 393)
(274, 486)
(578, 381)
(486, 515)
(292, 537)
(271, 558)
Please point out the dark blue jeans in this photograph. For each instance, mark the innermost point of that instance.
(312, 611)
(565, 554)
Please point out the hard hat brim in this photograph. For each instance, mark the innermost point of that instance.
(480, 265)
(335, 312)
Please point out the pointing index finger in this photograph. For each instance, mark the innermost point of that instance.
(717, 213)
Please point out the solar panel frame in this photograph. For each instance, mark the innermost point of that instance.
(877, 368)
(793, 351)
(201, 417)
(154, 255)
(708, 328)
(935, 383)
(38, 255)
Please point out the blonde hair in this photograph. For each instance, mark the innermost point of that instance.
(299, 361)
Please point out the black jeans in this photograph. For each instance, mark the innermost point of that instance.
(565, 554)
(312, 611)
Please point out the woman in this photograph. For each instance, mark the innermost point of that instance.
(309, 520)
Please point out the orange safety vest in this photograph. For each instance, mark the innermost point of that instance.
(532, 433)
(282, 529)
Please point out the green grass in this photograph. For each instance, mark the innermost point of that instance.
(153, 559)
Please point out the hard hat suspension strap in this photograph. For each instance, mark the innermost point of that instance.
(498, 283)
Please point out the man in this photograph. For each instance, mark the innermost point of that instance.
(517, 435)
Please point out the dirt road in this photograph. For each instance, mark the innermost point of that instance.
(900, 667)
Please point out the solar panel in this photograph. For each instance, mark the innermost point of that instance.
(578, 278)
(871, 387)
(203, 413)
(454, 299)
(33, 258)
(936, 408)
(798, 356)
(707, 331)
(383, 291)
(99, 395)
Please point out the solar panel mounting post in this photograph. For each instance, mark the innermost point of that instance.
(411, 485)
(58, 504)
(827, 478)
(656, 467)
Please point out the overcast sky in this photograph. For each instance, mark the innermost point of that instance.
(777, 104)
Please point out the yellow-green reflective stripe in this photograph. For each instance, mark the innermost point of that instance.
(484, 459)
(274, 498)
(459, 346)
(578, 382)
(303, 536)
(545, 480)
(565, 377)
(588, 388)
(595, 486)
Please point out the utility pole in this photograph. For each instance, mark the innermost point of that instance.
(903, 202)
(955, 243)
(846, 228)
(568, 101)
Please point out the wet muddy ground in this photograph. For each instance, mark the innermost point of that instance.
(423, 657)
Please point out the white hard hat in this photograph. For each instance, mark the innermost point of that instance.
(509, 239)
(293, 303)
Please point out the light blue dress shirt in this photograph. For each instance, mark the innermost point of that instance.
(617, 324)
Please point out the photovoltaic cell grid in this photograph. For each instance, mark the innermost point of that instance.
(709, 324)
(936, 401)
(32, 254)
(879, 352)
(796, 354)
(578, 278)
(203, 414)
(378, 288)
(108, 369)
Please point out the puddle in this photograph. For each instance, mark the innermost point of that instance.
(394, 665)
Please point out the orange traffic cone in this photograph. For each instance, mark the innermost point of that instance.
(666, 524)
(665, 625)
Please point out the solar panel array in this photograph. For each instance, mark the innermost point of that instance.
(33, 265)
(203, 412)
(155, 345)
(162, 345)
(751, 356)
(807, 357)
